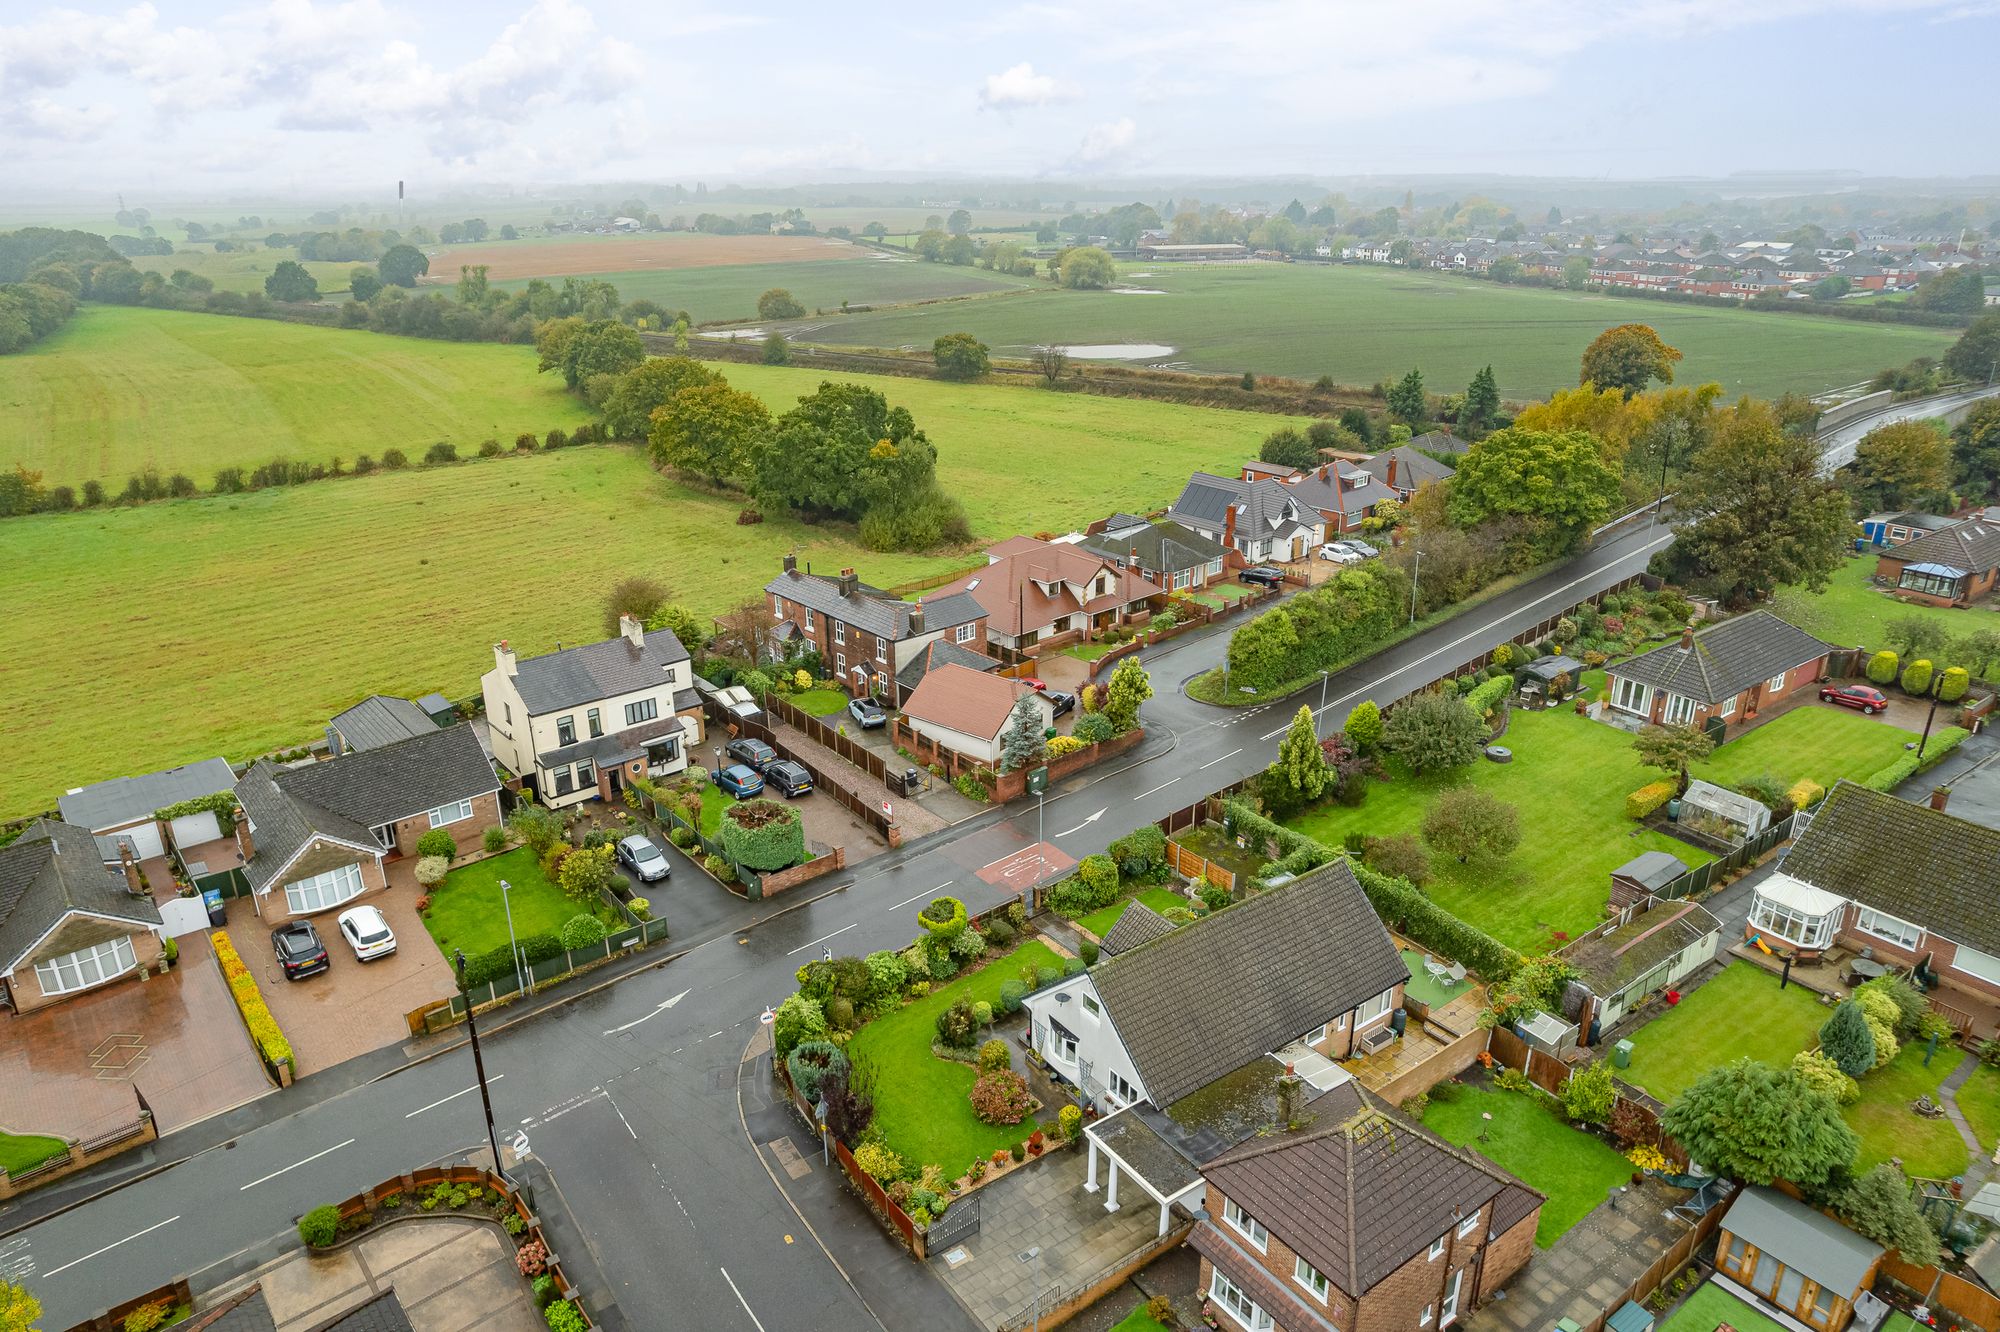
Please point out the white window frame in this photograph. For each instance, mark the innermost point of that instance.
(1885, 926)
(1467, 1226)
(1373, 1008)
(1246, 1225)
(1121, 1091)
(1227, 1295)
(777, 606)
(1806, 931)
(1091, 1007)
(1317, 1036)
(1437, 1248)
(313, 894)
(1632, 696)
(1448, 1310)
(1062, 1045)
(1310, 1277)
(1680, 710)
(840, 632)
(1777, 682)
(1728, 707)
(87, 966)
(963, 633)
(1425, 1319)
(456, 812)
(881, 651)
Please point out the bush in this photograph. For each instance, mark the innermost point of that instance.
(1001, 1097)
(431, 870)
(999, 932)
(1917, 677)
(1139, 851)
(1848, 1040)
(840, 1013)
(1046, 976)
(1820, 1073)
(1213, 895)
(1085, 949)
(887, 974)
(1432, 928)
(581, 931)
(993, 1056)
(1953, 684)
(943, 917)
(982, 1013)
(147, 1317)
(441, 452)
(1588, 1095)
(1099, 874)
(681, 837)
(1805, 793)
(1069, 1119)
(1896, 1000)
(563, 1316)
(878, 1162)
(1893, 775)
(1649, 798)
(437, 842)
(955, 1026)
(1402, 856)
(489, 448)
(318, 1227)
(393, 460)
(1093, 728)
(264, 1031)
(720, 868)
(494, 839)
(1486, 696)
(797, 1019)
(1882, 667)
(763, 834)
(810, 1062)
(1011, 994)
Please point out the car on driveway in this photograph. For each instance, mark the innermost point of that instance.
(1034, 684)
(647, 862)
(1869, 700)
(367, 932)
(300, 953)
(868, 712)
(1062, 703)
(1338, 552)
(739, 781)
(788, 779)
(755, 753)
(1262, 575)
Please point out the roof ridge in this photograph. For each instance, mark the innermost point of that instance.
(1473, 1159)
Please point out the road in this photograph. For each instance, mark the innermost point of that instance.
(1837, 446)
(629, 1093)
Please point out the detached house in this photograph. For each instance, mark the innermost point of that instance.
(1166, 553)
(67, 922)
(1729, 671)
(581, 722)
(1040, 594)
(1405, 468)
(1259, 520)
(867, 637)
(966, 711)
(1341, 492)
(1953, 567)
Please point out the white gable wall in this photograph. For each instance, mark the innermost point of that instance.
(1099, 1052)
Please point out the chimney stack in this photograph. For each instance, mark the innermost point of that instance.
(631, 630)
(133, 883)
(503, 657)
(848, 582)
(916, 619)
(791, 564)
(1940, 795)
(245, 841)
(1229, 526)
(1687, 639)
(1288, 1099)
(1392, 471)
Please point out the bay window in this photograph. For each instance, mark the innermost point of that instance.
(86, 967)
(325, 890)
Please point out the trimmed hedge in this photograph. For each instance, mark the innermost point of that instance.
(1429, 925)
(1297, 852)
(495, 963)
(1942, 742)
(264, 1031)
(1485, 697)
(1648, 798)
(1893, 775)
(776, 844)
(1805, 793)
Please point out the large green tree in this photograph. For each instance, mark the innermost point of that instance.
(290, 281)
(1955, 291)
(1976, 354)
(777, 303)
(1288, 446)
(1432, 732)
(711, 430)
(1469, 822)
(1301, 765)
(583, 349)
(1673, 748)
(19, 1311)
(1087, 268)
(1129, 687)
(960, 356)
(1879, 1205)
(1554, 484)
(1628, 358)
(839, 450)
(1482, 401)
(402, 265)
(1903, 463)
(1975, 449)
(1407, 400)
(1757, 1123)
(1756, 511)
(1846, 1040)
(635, 395)
(1021, 742)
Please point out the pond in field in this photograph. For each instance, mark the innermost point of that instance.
(1137, 291)
(1119, 351)
(734, 333)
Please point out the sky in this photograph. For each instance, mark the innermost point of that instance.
(197, 95)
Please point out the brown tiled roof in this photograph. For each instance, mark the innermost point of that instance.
(1010, 588)
(974, 702)
(1289, 1307)
(1973, 545)
(1726, 659)
(1364, 1190)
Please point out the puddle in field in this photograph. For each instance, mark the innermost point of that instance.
(735, 333)
(1137, 291)
(1119, 351)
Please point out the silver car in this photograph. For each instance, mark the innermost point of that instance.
(367, 932)
(645, 860)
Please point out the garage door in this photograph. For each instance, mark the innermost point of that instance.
(144, 840)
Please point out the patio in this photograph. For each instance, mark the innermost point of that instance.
(1431, 1049)
(1592, 1265)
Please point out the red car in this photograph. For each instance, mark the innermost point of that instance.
(1868, 699)
(1034, 684)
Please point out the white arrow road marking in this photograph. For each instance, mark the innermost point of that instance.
(823, 938)
(109, 1247)
(1081, 826)
(296, 1164)
(663, 1007)
(453, 1097)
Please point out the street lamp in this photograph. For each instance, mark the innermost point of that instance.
(513, 948)
(1937, 682)
(479, 1066)
(1034, 1256)
(1323, 674)
(1415, 575)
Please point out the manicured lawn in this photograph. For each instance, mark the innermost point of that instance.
(1568, 783)
(714, 800)
(1711, 1307)
(1979, 1100)
(1529, 1141)
(820, 702)
(1813, 740)
(20, 1151)
(1138, 1321)
(1741, 1013)
(467, 913)
(920, 1100)
(1888, 1127)
(1087, 651)
(1851, 612)
(1099, 922)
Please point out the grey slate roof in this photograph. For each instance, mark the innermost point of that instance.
(283, 825)
(379, 720)
(1287, 960)
(580, 675)
(1265, 504)
(1810, 1243)
(1918, 864)
(1439, 441)
(51, 870)
(942, 652)
(124, 799)
(1727, 658)
(408, 777)
(1651, 870)
(1166, 546)
(1326, 495)
(1413, 469)
(1136, 924)
(869, 610)
(1362, 1190)
(1973, 546)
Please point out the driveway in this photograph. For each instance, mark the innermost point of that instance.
(70, 1070)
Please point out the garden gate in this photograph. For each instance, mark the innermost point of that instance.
(959, 1220)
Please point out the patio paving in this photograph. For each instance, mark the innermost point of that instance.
(914, 818)
(1591, 1266)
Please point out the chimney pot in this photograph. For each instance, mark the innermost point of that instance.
(632, 630)
(1940, 795)
(848, 582)
(917, 619)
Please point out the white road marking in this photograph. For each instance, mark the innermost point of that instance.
(932, 893)
(823, 938)
(739, 1298)
(453, 1097)
(1079, 827)
(621, 1118)
(1231, 754)
(1161, 787)
(663, 1007)
(296, 1164)
(561, 1108)
(108, 1248)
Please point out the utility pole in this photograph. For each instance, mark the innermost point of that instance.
(1937, 682)
(1415, 574)
(479, 1066)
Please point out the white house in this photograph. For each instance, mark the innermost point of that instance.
(966, 710)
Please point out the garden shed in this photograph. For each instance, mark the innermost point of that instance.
(1721, 813)
(1546, 669)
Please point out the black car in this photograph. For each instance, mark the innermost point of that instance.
(1062, 703)
(868, 712)
(752, 754)
(300, 953)
(1263, 575)
(788, 779)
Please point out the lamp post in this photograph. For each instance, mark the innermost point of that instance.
(1937, 682)
(479, 1066)
(1415, 574)
(1034, 1256)
(513, 948)
(1323, 674)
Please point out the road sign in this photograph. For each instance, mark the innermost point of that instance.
(1038, 780)
(767, 1017)
(886, 811)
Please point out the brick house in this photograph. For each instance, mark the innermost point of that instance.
(866, 636)
(1912, 883)
(1259, 520)
(1405, 468)
(68, 923)
(1341, 492)
(1953, 567)
(1042, 594)
(966, 710)
(1729, 670)
(1166, 553)
(322, 832)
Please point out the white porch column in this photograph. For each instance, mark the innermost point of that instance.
(1090, 1176)
(1111, 1196)
(1165, 1207)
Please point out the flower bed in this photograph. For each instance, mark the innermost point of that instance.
(265, 1034)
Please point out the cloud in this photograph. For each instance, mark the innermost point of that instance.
(40, 118)
(1106, 141)
(1020, 86)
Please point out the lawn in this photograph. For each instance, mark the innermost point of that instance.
(1813, 740)
(1364, 325)
(25, 1151)
(122, 388)
(1087, 651)
(1852, 613)
(1099, 922)
(920, 1099)
(1568, 783)
(1532, 1143)
(1425, 988)
(1710, 1307)
(467, 913)
(820, 702)
(714, 800)
(1979, 1101)
(1741, 1013)
(1138, 1321)
(1888, 1127)
(245, 270)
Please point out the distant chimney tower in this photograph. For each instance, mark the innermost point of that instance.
(503, 657)
(849, 583)
(631, 630)
(1687, 639)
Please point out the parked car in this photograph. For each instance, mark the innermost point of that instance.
(868, 712)
(647, 862)
(739, 781)
(367, 932)
(1338, 552)
(300, 953)
(1361, 548)
(755, 753)
(1034, 684)
(1870, 700)
(1063, 703)
(1263, 575)
(789, 779)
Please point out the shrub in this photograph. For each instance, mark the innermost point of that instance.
(943, 917)
(1649, 798)
(681, 837)
(1953, 684)
(720, 868)
(489, 448)
(555, 439)
(1820, 1073)
(1085, 949)
(1094, 728)
(494, 839)
(581, 931)
(982, 1013)
(318, 1227)
(1804, 793)
(797, 1019)
(264, 1031)
(1893, 775)
(1486, 696)
(1882, 667)
(1139, 851)
(840, 1013)
(763, 834)
(1001, 1097)
(563, 1316)
(431, 870)
(1073, 966)
(1099, 876)
(437, 842)
(999, 932)
(1848, 1039)
(393, 460)
(1213, 895)
(1161, 1310)
(886, 974)
(1018, 1152)
(955, 1027)
(993, 1056)
(1402, 856)
(810, 1062)
(878, 1162)
(1068, 1120)
(1431, 927)
(1046, 976)
(441, 452)
(1011, 994)
(1917, 677)
(1588, 1095)
(149, 1316)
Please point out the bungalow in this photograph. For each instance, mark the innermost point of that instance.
(1781, 1254)
(1729, 670)
(1035, 594)
(1439, 441)
(965, 711)
(1953, 567)
(1404, 469)
(67, 922)
(866, 636)
(119, 812)
(1259, 520)
(578, 723)
(1648, 946)
(1166, 553)
(1901, 526)
(1342, 493)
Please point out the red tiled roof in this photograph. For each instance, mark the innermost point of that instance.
(1010, 588)
(965, 700)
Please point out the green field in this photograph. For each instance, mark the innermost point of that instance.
(730, 292)
(1367, 324)
(245, 270)
(122, 388)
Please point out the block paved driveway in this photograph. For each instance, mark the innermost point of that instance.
(69, 1070)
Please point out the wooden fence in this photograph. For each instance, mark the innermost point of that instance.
(868, 811)
(1550, 1074)
(1973, 1307)
(1679, 1255)
(442, 1013)
(1192, 867)
(175, 1292)
(860, 755)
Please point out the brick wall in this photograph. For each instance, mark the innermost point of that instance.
(467, 833)
(1507, 1255)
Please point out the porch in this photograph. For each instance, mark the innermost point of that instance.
(1123, 1146)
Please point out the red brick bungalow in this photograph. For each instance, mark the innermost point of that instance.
(1954, 567)
(1729, 670)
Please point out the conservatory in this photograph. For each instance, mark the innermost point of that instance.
(1784, 910)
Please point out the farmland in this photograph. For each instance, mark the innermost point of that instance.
(123, 388)
(245, 270)
(566, 255)
(1366, 324)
